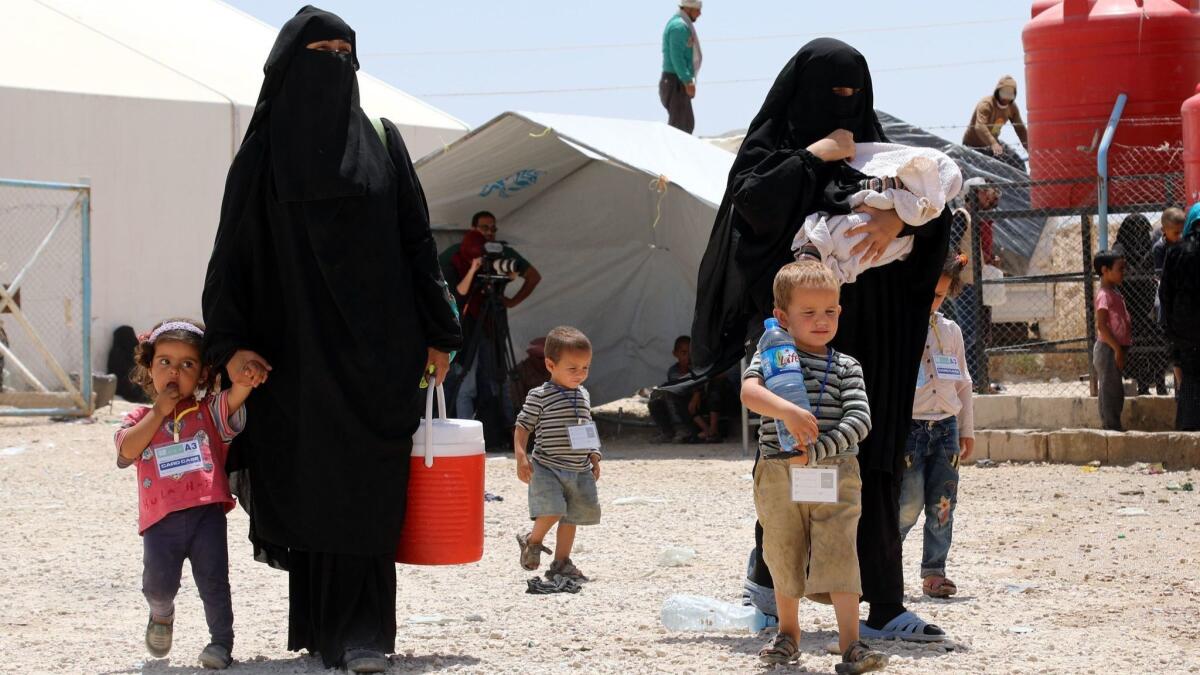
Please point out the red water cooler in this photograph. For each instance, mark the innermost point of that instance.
(1191, 148)
(1079, 55)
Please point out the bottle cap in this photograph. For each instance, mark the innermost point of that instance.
(771, 323)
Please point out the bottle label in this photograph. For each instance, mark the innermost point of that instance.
(780, 359)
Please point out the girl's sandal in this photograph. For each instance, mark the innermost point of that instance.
(780, 650)
(938, 587)
(860, 658)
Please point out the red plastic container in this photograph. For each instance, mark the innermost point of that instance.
(1079, 55)
(1191, 148)
(444, 521)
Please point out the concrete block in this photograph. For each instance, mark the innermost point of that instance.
(1131, 447)
(1149, 413)
(981, 452)
(1054, 412)
(997, 412)
(1018, 445)
(1183, 450)
(1078, 446)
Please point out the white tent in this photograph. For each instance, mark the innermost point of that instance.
(148, 100)
(615, 214)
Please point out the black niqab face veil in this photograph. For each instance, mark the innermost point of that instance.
(309, 109)
(801, 107)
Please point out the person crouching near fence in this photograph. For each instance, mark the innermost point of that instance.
(179, 446)
(810, 541)
(942, 434)
(1114, 337)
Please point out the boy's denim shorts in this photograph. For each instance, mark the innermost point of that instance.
(559, 492)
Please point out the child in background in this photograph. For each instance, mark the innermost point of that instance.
(564, 465)
(1113, 338)
(942, 434)
(1172, 231)
(696, 409)
(811, 548)
(179, 446)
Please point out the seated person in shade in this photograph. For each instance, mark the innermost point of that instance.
(694, 414)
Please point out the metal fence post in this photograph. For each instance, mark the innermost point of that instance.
(1089, 297)
(978, 353)
(85, 375)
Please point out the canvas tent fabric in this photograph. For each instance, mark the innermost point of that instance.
(615, 214)
(149, 101)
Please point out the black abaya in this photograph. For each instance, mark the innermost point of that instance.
(324, 264)
(774, 184)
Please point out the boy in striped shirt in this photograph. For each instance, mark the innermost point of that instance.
(564, 466)
(811, 548)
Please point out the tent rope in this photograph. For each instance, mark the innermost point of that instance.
(658, 185)
(543, 133)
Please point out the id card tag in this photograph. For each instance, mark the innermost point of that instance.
(584, 436)
(946, 367)
(814, 485)
(177, 459)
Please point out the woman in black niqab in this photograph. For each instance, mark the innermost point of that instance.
(789, 167)
(324, 268)
(1148, 365)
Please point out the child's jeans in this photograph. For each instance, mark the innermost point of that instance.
(198, 535)
(1110, 388)
(930, 484)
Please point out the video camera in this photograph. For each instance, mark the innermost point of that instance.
(494, 261)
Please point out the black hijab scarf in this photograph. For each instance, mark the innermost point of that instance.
(773, 185)
(309, 105)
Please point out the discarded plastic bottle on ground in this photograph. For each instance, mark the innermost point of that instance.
(783, 374)
(698, 613)
(675, 556)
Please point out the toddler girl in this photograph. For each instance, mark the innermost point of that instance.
(942, 434)
(179, 446)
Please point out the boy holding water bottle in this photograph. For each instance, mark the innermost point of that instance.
(807, 488)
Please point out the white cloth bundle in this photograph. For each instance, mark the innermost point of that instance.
(930, 179)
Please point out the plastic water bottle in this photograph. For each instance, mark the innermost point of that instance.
(698, 613)
(783, 374)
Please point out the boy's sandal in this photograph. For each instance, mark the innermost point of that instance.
(938, 587)
(531, 556)
(905, 626)
(567, 569)
(780, 650)
(860, 658)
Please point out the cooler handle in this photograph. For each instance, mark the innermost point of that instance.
(441, 397)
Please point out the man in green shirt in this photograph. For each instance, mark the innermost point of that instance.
(681, 61)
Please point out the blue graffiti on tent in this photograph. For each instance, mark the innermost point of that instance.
(505, 187)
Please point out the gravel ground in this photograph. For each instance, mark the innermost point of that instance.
(1053, 577)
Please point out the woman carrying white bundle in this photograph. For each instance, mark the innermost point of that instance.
(917, 183)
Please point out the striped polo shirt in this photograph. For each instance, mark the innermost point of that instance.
(548, 411)
(843, 415)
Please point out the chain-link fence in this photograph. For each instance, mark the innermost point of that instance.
(45, 295)
(1028, 315)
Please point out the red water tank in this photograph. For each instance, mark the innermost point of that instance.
(1191, 148)
(1079, 55)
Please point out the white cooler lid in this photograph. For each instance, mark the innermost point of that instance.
(451, 438)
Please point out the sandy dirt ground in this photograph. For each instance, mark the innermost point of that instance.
(1053, 578)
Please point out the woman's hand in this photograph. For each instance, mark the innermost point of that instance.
(242, 373)
(882, 230)
(441, 365)
(836, 146)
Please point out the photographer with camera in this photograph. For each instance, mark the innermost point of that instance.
(480, 270)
